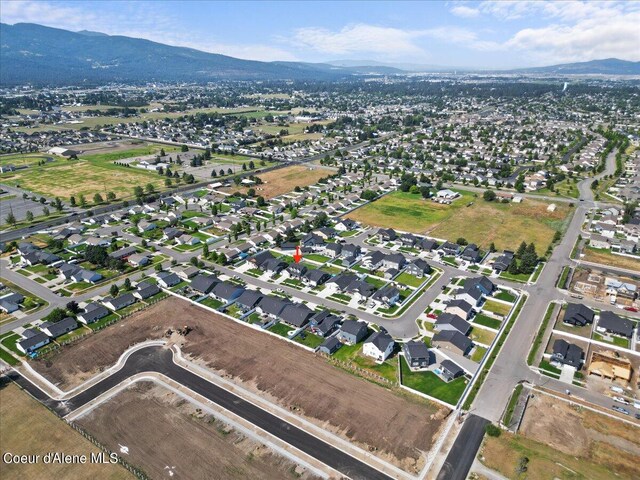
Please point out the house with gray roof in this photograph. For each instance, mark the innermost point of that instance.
(417, 354)
(352, 332)
(92, 313)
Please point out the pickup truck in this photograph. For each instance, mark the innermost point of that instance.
(620, 410)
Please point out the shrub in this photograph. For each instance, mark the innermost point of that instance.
(492, 430)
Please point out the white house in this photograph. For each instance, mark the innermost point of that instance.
(378, 346)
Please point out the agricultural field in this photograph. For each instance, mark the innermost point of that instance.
(44, 432)
(284, 180)
(565, 441)
(192, 443)
(301, 379)
(506, 225)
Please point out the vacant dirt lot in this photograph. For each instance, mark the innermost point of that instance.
(28, 428)
(350, 406)
(284, 180)
(186, 442)
(558, 438)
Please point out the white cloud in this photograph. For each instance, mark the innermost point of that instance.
(464, 11)
(359, 38)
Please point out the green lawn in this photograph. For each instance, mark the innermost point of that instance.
(10, 342)
(478, 353)
(504, 295)
(314, 257)
(614, 340)
(212, 302)
(410, 280)
(506, 225)
(430, 384)
(496, 307)
(281, 329)
(487, 321)
(310, 339)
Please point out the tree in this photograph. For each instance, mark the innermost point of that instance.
(492, 430)
(521, 249)
(205, 250)
(97, 199)
(29, 216)
(184, 148)
(73, 307)
(513, 267)
(82, 200)
(56, 315)
(72, 201)
(127, 284)
(489, 195)
(149, 188)
(213, 173)
(462, 241)
(194, 261)
(492, 247)
(46, 212)
(138, 192)
(111, 196)
(58, 204)
(114, 290)
(260, 201)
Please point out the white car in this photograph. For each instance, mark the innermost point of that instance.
(621, 400)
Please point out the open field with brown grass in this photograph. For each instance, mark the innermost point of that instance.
(349, 406)
(506, 225)
(28, 428)
(605, 257)
(284, 180)
(564, 441)
(193, 444)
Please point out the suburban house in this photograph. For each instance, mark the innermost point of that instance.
(204, 283)
(352, 332)
(226, 291)
(138, 259)
(387, 295)
(471, 253)
(578, 315)
(330, 346)
(418, 268)
(54, 330)
(417, 354)
(378, 346)
(324, 323)
(296, 270)
(271, 306)
(248, 300)
(146, 290)
(450, 248)
(611, 323)
(345, 225)
(123, 253)
(296, 314)
(565, 353)
(120, 302)
(453, 341)
(316, 277)
(32, 339)
(273, 266)
(469, 294)
(186, 272)
(460, 307)
(168, 279)
(449, 321)
(503, 262)
(387, 234)
(92, 313)
(450, 370)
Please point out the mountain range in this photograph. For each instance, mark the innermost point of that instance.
(35, 54)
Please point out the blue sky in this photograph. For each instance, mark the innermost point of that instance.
(484, 34)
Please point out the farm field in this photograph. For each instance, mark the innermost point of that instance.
(558, 439)
(44, 432)
(192, 443)
(506, 225)
(301, 378)
(284, 180)
(605, 257)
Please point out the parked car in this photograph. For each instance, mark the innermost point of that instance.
(620, 410)
(621, 400)
(631, 309)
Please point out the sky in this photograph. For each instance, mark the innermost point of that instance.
(482, 34)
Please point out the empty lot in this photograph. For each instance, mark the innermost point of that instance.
(284, 180)
(187, 442)
(294, 378)
(558, 438)
(28, 428)
(506, 225)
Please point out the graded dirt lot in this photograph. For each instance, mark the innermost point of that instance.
(564, 441)
(294, 378)
(506, 225)
(187, 443)
(28, 428)
(284, 180)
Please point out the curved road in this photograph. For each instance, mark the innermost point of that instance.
(160, 360)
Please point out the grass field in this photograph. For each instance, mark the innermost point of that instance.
(605, 257)
(19, 159)
(506, 225)
(88, 176)
(284, 180)
(29, 428)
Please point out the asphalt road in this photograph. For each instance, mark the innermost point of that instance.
(463, 452)
(160, 360)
